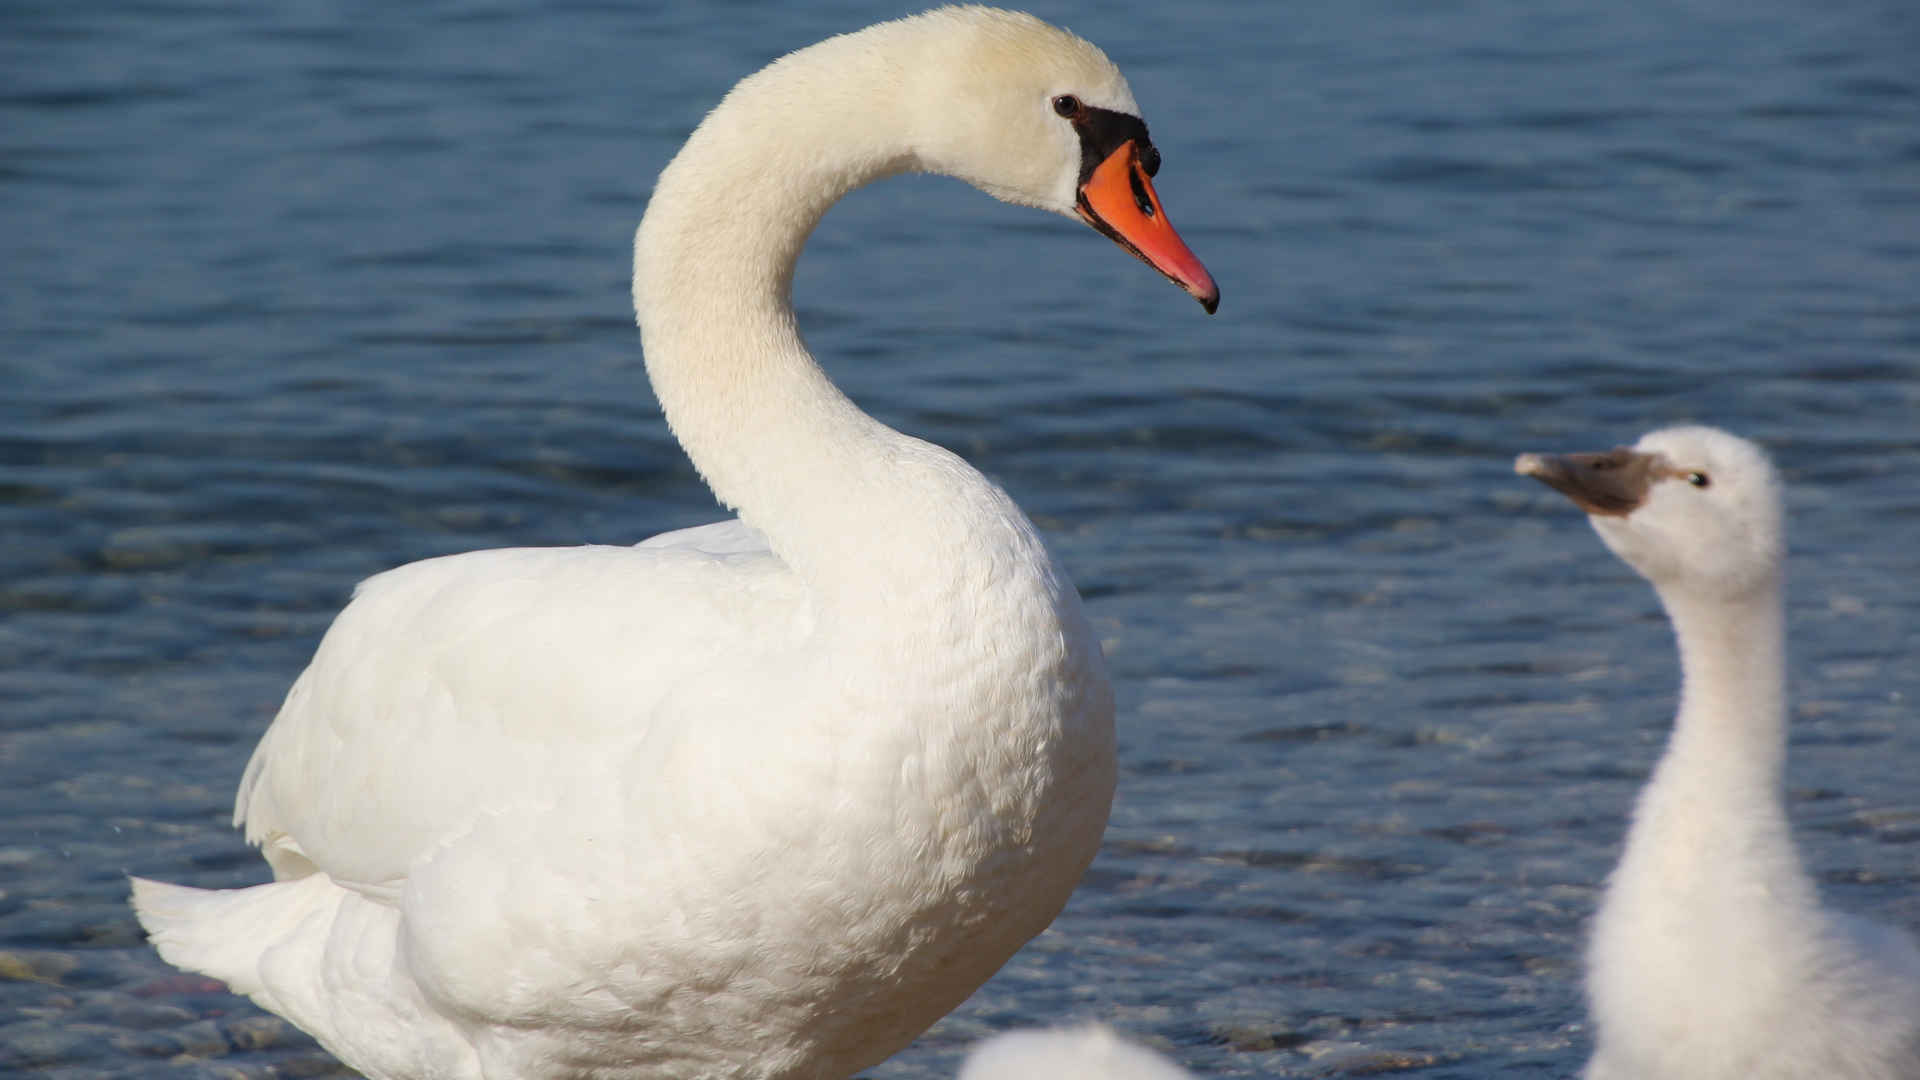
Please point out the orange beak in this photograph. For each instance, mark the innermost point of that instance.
(1118, 199)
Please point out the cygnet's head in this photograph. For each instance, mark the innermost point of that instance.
(1092, 1052)
(1034, 115)
(1688, 507)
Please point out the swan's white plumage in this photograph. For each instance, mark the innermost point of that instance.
(1088, 1052)
(760, 799)
(1711, 956)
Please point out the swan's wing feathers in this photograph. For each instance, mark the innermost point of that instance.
(482, 680)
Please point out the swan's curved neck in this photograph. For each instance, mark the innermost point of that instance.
(1733, 708)
(713, 272)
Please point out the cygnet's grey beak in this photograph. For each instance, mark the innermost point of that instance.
(1611, 484)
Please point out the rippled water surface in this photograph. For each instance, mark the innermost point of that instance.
(298, 292)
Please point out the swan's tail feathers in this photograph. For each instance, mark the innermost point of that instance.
(277, 943)
(323, 956)
(227, 933)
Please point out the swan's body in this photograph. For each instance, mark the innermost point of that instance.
(762, 799)
(1089, 1052)
(1711, 956)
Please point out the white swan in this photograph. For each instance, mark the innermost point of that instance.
(1711, 956)
(762, 799)
(1088, 1052)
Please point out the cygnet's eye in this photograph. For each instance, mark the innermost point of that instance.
(1698, 479)
(1067, 105)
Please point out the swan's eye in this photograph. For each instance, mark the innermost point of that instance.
(1698, 479)
(1066, 105)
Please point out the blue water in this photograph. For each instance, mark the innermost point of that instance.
(297, 292)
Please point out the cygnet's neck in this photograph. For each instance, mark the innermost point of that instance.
(1731, 729)
(713, 273)
(1710, 830)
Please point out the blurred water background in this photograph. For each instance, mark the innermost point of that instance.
(297, 292)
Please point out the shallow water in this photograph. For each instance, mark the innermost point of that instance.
(297, 293)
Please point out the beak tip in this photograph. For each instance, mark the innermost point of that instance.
(1529, 465)
(1209, 300)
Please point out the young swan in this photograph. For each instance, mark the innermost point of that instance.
(1711, 956)
(1091, 1052)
